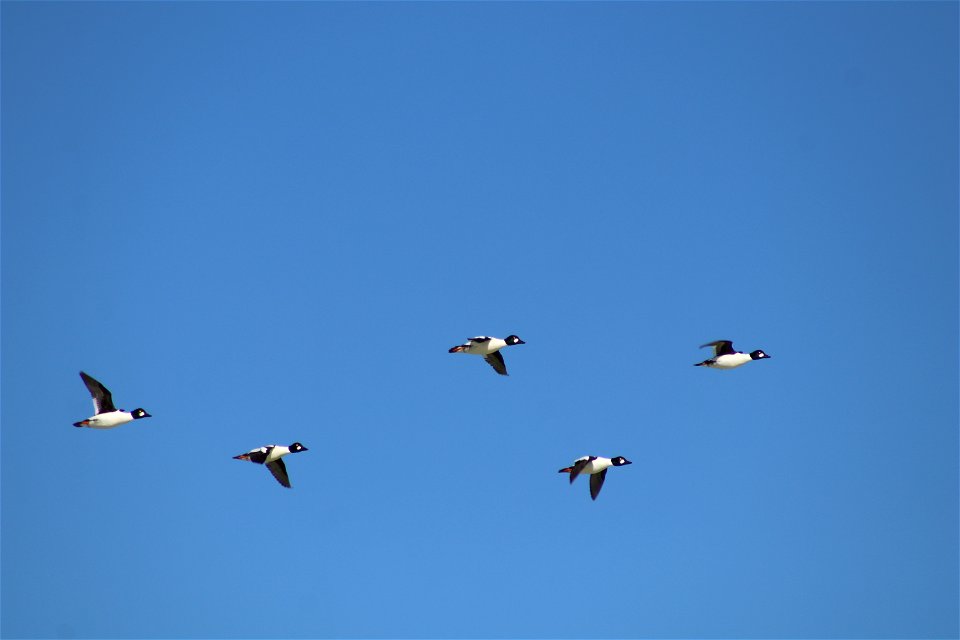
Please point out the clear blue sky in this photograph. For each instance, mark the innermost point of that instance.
(268, 222)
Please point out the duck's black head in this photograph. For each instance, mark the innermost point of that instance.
(140, 413)
(512, 340)
(758, 355)
(297, 447)
(619, 461)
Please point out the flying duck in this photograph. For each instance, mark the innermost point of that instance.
(271, 455)
(724, 357)
(597, 467)
(489, 348)
(106, 416)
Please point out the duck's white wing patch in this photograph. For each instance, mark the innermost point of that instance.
(279, 471)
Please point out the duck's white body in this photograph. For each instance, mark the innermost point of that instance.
(482, 345)
(596, 465)
(276, 452)
(109, 420)
(728, 361)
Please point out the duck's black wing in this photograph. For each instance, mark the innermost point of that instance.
(279, 471)
(258, 455)
(495, 360)
(596, 483)
(102, 400)
(720, 347)
(579, 465)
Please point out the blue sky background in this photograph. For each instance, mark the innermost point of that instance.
(268, 222)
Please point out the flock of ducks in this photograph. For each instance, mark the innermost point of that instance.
(107, 416)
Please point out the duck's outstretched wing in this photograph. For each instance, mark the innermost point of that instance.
(720, 347)
(279, 471)
(102, 400)
(495, 360)
(579, 465)
(596, 483)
